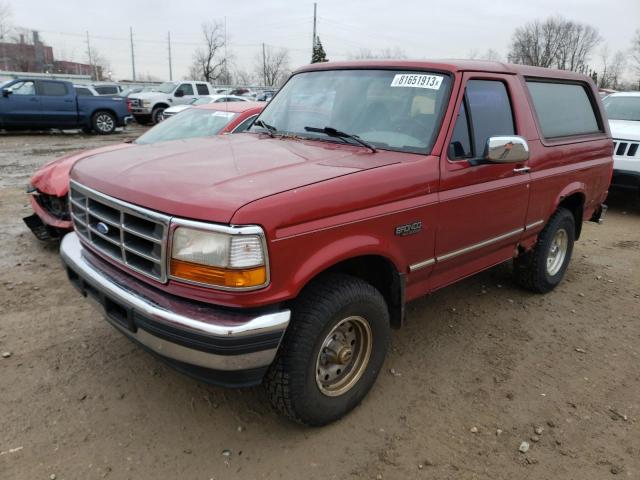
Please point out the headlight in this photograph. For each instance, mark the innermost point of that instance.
(146, 103)
(233, 259)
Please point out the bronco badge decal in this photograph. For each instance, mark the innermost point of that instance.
(409, 229)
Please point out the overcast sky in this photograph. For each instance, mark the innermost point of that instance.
(434, 29)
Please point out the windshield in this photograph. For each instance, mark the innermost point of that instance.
(389, 109)
(623, 108)
(166, 87)
(189, 124)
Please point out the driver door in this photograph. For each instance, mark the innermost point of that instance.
(187, 97)
(482, 206)
(21, 107)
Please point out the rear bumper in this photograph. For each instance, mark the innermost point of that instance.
(217, 345)
(626, 178)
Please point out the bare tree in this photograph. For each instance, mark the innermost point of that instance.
(5, 28)
(272, 67)
(99, 63)
(385, 53)
(554, 42)
(635, 50)
(612, 68)
(242, 77)
(577, 42)
(489, 55)
(209, 62)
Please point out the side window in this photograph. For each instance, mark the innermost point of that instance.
(186, 88)
(486, 112)
(460, 146)
(563, 109)
(53, 89)
(202, 89)
(23, 88)
(83, 92)
(245, 124)
(107, 90)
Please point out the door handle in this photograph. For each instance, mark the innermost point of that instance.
(522, 170)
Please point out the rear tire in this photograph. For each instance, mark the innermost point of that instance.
(103, 123)
(543, 268)
(332, 351)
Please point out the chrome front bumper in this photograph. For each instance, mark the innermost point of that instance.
(184, 331)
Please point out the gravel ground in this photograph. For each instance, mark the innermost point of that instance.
(480, 367)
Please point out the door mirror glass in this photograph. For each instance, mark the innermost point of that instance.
(179, 93)
(506, 149)
(6, 92)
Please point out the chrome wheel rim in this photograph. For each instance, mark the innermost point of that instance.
(344, 356)
(159, 116)
(557, 252)
(104, 123)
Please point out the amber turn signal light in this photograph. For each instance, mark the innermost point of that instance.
(222, 277)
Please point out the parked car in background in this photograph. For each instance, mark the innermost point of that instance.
(149, 106)
(265, 95)
(285, 255)
(203, 101)
(623, 110)
(49, 186)
(35, 104)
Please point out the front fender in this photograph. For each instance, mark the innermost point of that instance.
(338, 251)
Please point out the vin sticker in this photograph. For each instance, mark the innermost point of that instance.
(417, 81)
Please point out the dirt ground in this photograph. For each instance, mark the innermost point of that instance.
(478, 367)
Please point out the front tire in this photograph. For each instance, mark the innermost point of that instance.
(332, 351)
(156, 115)
(103, 123)
(543, 268)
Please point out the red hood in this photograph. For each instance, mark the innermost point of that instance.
(210, 178)
(53, 178)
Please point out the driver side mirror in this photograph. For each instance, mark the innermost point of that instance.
(506, 149)
(6, 92)
(179, 93)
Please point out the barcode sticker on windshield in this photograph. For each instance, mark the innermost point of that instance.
(417, 81)
(219, 113)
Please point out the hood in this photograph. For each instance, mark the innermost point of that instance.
(625, 129)
(149, 95)
(177, 108)
(53, 178)
(210, 178)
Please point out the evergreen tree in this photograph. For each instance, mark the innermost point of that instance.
(319, 54)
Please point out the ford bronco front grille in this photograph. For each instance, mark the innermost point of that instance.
(130, 235)
(626, 148)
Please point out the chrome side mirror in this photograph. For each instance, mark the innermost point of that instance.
(506, 149)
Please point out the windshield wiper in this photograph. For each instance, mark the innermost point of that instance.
(332, 132)
(269, 128)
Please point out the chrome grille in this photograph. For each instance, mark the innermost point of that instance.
(131, 235)
(626, 148)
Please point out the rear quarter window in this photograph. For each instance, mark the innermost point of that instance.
(563, 109)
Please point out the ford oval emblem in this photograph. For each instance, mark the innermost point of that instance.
(102, 228)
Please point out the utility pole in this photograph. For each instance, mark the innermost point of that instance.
(133, 58)
(264, 67)
(313, 40)
(170, 68)
(91, 63)
(226, 71)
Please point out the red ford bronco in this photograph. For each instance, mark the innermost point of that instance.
(284, 255)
